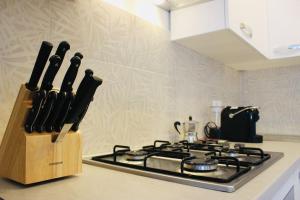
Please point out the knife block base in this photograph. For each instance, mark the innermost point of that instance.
(31, 158)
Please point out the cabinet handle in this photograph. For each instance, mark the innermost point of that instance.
(246, 30)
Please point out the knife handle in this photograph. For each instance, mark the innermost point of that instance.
(88, 74)
(78, 54)
(75, 126)
(61, 98)
(39, 65)
(59, 123)
(61, 50)
(45, 111)
(50, 73)
(82, 101)
(37, 102)
(70, 75)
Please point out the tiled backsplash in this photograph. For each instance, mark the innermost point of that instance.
(149, 81)
(277, 92)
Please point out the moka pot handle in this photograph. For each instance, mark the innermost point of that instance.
(176, 124)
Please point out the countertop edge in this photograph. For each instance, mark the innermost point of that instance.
(277, 185)
(281, 138)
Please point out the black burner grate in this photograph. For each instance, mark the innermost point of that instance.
(170, 162)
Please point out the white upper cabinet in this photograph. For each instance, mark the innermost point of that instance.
(244, 34)
(248, 19)
(284, 28)
(198, 19)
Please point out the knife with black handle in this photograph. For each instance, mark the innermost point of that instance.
(50, 73)
(81, 101)
(65, 90)
(79, 104)
(78, 54)
(75, 126)
(70, 75)
(61, 50)
(59, 122)
(39, 65)
(87, 76)
(37, 101)
(61, 98)
(62, 117)
(44, 113)
(41, 95)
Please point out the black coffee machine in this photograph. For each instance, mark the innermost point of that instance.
(238, 124)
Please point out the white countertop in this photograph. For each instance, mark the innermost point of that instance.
(97, 183)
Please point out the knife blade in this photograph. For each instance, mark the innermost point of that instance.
(41, 60)
(65, 92)
(62, 117)
(80, 103)
(33, 112)
(39, 100)
(45, 111)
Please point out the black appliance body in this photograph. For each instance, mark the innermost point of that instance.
(238, 124)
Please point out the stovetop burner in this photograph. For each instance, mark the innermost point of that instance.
(231, 153)
(210, 164)
(211, 145)
(137, 155)
(203, 164)
(173, 147)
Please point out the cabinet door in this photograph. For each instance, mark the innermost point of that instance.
(297, 184)
(284, 25)
(249, 20)
(198, 19)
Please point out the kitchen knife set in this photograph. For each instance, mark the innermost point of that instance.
(53, 110)
(41, 141)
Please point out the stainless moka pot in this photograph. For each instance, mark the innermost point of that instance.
(189, 129)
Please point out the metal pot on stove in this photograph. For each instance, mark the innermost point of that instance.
(189, 130)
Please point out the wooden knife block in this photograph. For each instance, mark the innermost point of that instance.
(31, 158)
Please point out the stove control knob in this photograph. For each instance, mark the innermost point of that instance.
(218, 148)
(226, 146)
(238, 146)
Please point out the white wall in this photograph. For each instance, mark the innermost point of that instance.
(277, 92)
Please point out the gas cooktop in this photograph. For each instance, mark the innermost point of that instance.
(207, 164)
